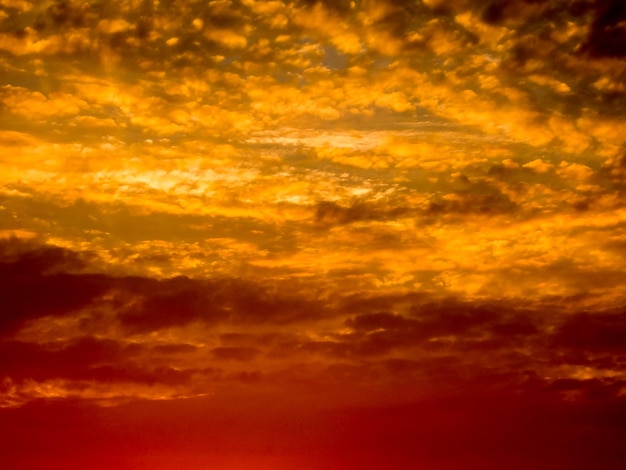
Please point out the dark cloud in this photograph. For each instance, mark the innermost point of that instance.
(379, 320)
(180, 301)
(70, 14)
(517, 326)
(379, 325)
(357, 304)
(452, 317)
(23, 258)
(593, 332)
(444, 328)
(494, 12)
(235, 353)
(391, 346)
(167, 303)
(74, 359)
(447, 325)
(34, 283)
(174, 348)
(91, 359)
(338, 6)
(129, 373)
(589, 390)
(257, 340)
(474, 198)
(501, 11)
(608, 30)
(328, 213)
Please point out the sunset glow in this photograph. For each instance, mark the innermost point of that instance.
(312, 234)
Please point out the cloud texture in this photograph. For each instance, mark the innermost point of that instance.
(313, 234)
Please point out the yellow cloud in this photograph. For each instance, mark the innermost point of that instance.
(538, 166)
(226, 37)
(34, 104)
(488, 34)
(603, 128)
(574, 172)
(329, 26)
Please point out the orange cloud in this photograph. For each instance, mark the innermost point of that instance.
(292, 230)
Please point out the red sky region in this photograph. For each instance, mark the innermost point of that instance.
(461, 432)
(312, 235)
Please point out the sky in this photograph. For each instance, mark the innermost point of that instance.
(311, 235)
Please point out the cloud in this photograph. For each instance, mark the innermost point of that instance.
(539, 166)
(75, 359)
(475, 198)
(607, 32)
(235, 353)
(105, 370)
(447, 324)
(593, 333)
(273, 206)
(187, 337)
(427, 335)
(330, 214)
(152, 305)
(35, 283)
(140, 304)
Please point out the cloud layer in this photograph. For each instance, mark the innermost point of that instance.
(358, 215)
